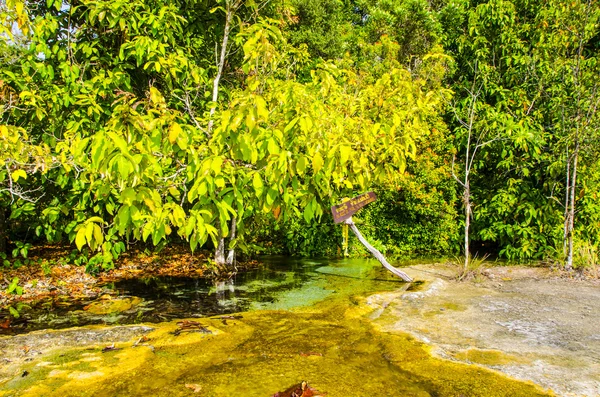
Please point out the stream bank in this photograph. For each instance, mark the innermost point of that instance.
(525, 322)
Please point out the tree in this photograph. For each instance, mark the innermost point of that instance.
(21, 159)
(515, 210)
(324, 26)
(476, 132)
(139, 158)
(315, 142)
(410, 23)
(568, 56)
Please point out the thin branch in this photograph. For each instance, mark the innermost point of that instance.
(231, 8)
(454, 175)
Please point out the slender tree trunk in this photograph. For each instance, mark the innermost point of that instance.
(3, 231)
(571, 216)
(231, 254)
(221, 62)
(376, 252)
(220, 260)
(467, 203)
(220, 251)
(567, 195)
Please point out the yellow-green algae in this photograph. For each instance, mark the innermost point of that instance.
(334, 348)
(111, 305)
(331, 344)
(489, 357)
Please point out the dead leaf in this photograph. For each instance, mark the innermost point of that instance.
(299, 390)
(194, 387)
(307, 354)
(232, 317)
(110, 348)
(142, 339)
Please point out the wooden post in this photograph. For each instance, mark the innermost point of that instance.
(376, 252)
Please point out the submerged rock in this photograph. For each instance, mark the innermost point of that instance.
(112, 305)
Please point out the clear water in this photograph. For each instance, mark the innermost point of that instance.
(281, 283)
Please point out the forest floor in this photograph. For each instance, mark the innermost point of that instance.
(530, 323)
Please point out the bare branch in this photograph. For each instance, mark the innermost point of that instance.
(16, 191)
(454, 174)
(230, 10)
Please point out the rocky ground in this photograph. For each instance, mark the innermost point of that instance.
(530, 323)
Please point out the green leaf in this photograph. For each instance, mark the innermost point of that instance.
(174, 132)
(98, 236)
(345, 152)
(178, 216)
(301, 165)
(80, 238)
(272, 146)
(257, 183)
(202, 189)
(291, 124)
(98, 148)
(317, 162)
(182, 140)
(156, 97)
(174, 192)
(261, 108)
(308, 214)
(18, 174)
(216, 164)
(271, 196)
(14, 284)
(128, 196)
(146, 231)
(89, 233)
(14, 312)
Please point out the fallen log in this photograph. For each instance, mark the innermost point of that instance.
(375, 252)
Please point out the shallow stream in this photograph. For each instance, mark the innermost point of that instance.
(281, 283)
(294, 321)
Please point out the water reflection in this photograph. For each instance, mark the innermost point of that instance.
(225, 293)
(281, 283)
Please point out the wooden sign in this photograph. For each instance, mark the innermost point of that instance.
(346, 210)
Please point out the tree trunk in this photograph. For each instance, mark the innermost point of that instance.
(221, 62)
(567, 195)
(231, 254)
(220, 253)
(376, 253)
(221, 261)
(571, 216)
(3, 231)
(467, 203)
